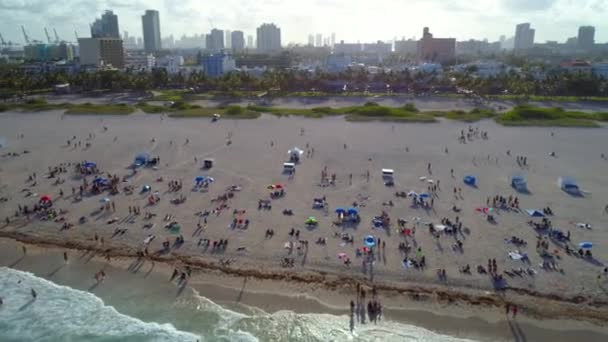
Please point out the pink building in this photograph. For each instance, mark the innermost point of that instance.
(438, 50)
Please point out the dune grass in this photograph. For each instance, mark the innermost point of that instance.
(100, 109)
(536, 116)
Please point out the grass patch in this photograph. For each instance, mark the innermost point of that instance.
(230, 112)
(151, 109)
(550, 98)
(535, 116)
(171, 95)
(472, 116)
(100, 109)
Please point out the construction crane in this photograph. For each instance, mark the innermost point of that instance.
(48, 36)
(2, 40)
(27, 38)
(57, 40)
(76, 35)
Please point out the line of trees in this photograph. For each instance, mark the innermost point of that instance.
(14, 80)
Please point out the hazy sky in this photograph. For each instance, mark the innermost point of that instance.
(351, 20)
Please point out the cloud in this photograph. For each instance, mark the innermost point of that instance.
(528, 5)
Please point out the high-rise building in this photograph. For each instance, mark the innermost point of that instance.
(101, 52)
(438, 50)
(151, 27)
(333, 39)
(215, 41)
(586, 37)
(524, 37)
(268, 38)
(250, 44)
(319, 40)
(311, 40)
(228, 39)
(238, 41)
(218, 64)
(106, 26)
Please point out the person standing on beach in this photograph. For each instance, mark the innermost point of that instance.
(508, 308)
(65, 257)
(34, 294)
(24, 250)
(514, 311)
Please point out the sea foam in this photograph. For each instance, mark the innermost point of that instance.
(60, 313)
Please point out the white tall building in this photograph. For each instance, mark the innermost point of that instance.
(269, 38)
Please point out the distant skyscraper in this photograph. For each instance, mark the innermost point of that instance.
(151, 27)
(228, 40)
(311, 40)
(238, 41)
(319, 40)
(586, 37)
(268, 38)
(106, 26)
(524, 37)
(215, 41)
(250, 42)
(333, 39)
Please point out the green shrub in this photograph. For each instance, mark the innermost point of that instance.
(410, 107)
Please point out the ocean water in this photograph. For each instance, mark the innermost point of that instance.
(60, 313)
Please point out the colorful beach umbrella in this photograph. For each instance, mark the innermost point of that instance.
(369, 241)
(311, 220)
(45, 198)
(340, 210)
(585, 245)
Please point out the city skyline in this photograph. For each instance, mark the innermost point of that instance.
(552, 19)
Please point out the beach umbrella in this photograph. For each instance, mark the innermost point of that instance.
(311, 220)
(535, 213)
(175, 228)
(369, 241)
(296, 150)
(353, 211)
(145, 188)
(104, 200)
(142, 158)
(199, 179)
(89, 164)
(412, 194)
(585, 244)
(45, 198)
(100, 181)
(424, 195)
(278, 186)
(569, 184)
(469, 180)
(340, 210)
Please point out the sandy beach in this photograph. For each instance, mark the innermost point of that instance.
(249, 154)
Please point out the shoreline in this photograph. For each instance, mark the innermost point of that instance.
(276, 296)
(533, 303)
